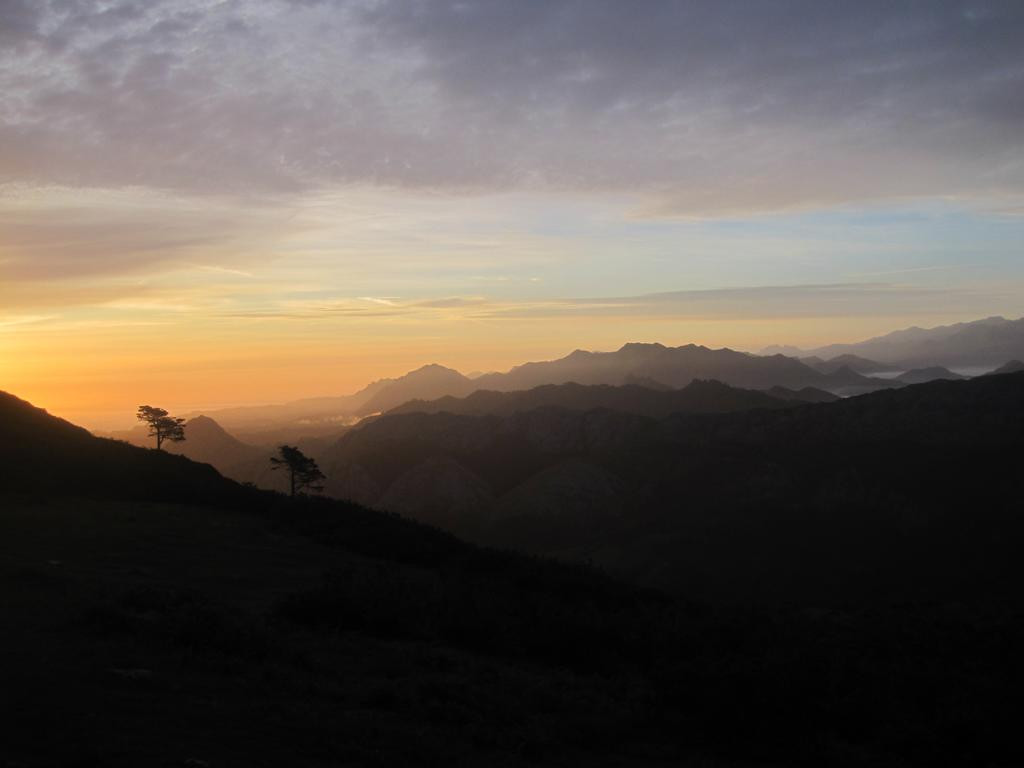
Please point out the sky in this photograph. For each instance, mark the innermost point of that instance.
(214, 202)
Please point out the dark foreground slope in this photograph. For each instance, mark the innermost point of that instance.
(250, 631)
(46, 456)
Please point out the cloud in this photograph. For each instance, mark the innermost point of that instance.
(58, 235)
(14, 321)
(452, 302)
(225, 270)
(707, 108)
(744, 303)
(748, 304)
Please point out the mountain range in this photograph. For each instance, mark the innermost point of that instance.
(208, 442)
(986, 343)
(652, 366)
(841, 369)
(597, 484)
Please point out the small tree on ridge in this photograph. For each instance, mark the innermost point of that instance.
(162, 426)
(303, 473)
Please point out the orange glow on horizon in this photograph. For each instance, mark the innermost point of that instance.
(97, 378)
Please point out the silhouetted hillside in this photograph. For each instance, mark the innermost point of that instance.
(951, 414)
(47, 456)
(1013, 366)
(805, 395)
(207, 442)
(862, 571)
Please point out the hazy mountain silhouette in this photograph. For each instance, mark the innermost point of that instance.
(1013, 366)
(922, 375)
(672, 366)
(426, 383)
(696, 397)
(328, 417)
(310, 416)
(208, 442)
(856, 364)
(652, 366)
(846, 382)
(987, 342)
(646, 382)
(982, 343)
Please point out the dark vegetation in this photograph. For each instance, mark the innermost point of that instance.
(852, 601)
(302, 471)
(161, 425)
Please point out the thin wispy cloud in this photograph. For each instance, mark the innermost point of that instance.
(387, 302)
(745, 303)
(16, 321)
(225, 270)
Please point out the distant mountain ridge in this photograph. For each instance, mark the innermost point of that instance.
(843, 369)
(932, 373)
(987, 342)
(1013, 366)
(425, 383)
(653, 366)
(313, 417)
(672, 366)
(699, 396)
(856, 364)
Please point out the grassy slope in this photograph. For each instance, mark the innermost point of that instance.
(138, 634)
(148, 634)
